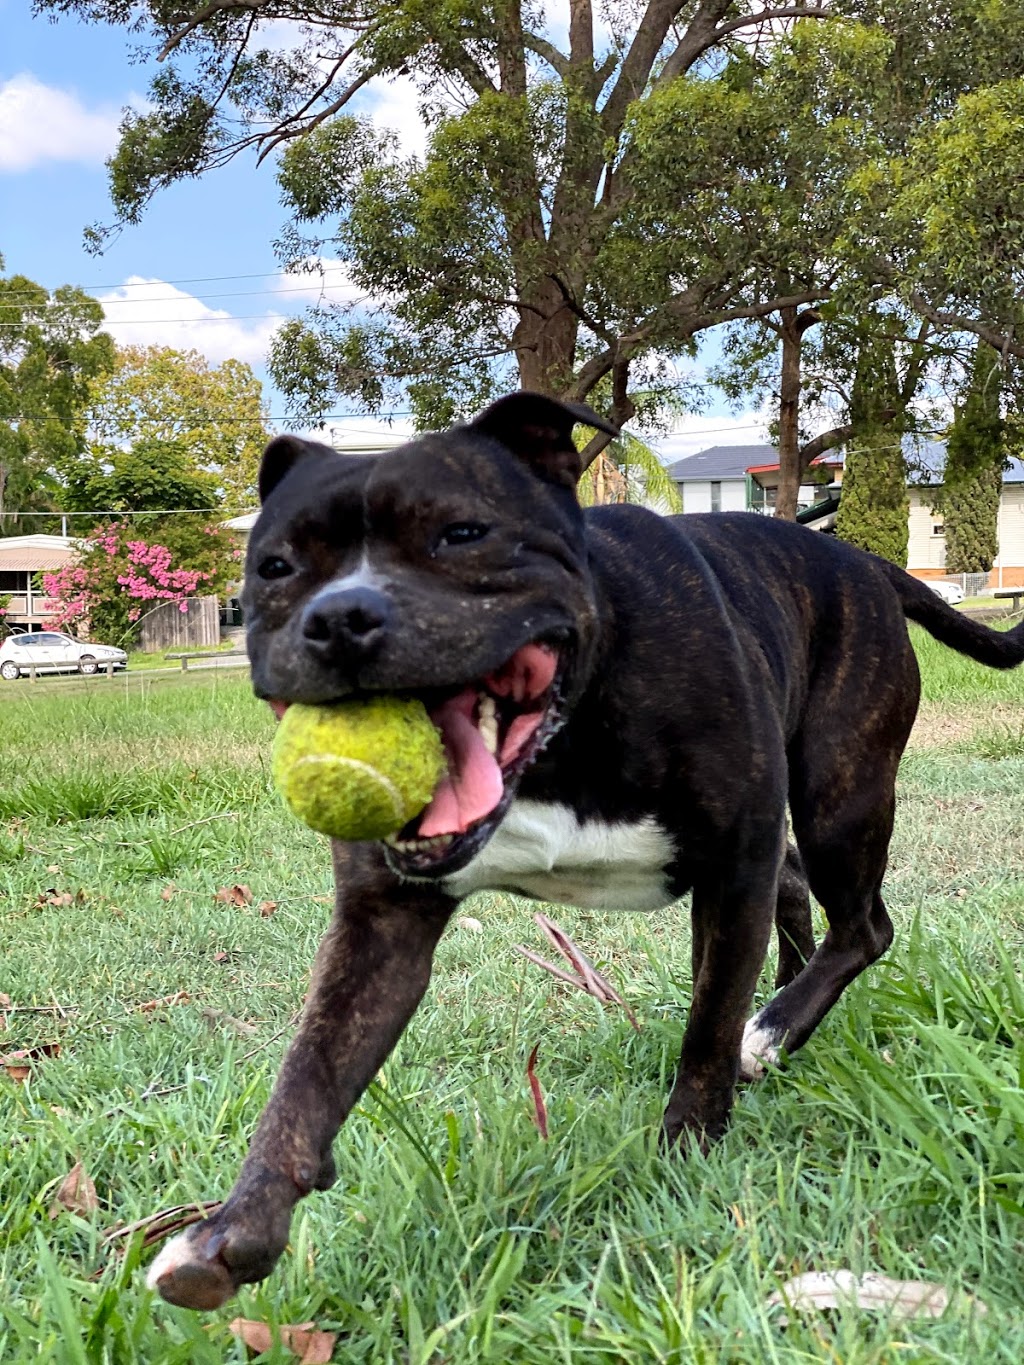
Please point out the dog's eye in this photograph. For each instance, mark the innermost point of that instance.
(273, 567)
(463, 532)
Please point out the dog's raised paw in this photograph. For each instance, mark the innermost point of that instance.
(760, 1048)
(191, 1275)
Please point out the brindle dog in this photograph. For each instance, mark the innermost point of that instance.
(629, 703)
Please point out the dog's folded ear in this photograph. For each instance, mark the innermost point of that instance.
(281, 456)
(539, 430)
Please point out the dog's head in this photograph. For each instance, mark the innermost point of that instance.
(453, 569)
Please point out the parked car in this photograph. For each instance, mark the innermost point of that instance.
(48, 652)
(949, 592)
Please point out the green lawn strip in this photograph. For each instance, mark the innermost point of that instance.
(894, 1142)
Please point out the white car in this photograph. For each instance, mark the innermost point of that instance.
(48, 652)
(949, 592)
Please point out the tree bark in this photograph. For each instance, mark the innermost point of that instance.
(791, 462)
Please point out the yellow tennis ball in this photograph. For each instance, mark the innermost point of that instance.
(357, 769)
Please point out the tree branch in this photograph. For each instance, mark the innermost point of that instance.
(959, 322)
(698, 40)
(200, 17)
(643, 52)
(828, 440)
(541, 47)
(268, 141)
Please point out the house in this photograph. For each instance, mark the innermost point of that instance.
(926, 553)
(740, 479)
(21, 559)
(737, 478)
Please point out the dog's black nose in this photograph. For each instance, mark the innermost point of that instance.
(346, 623)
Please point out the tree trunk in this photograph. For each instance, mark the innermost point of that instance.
(791, 462)
(790, 465)
(545, 341)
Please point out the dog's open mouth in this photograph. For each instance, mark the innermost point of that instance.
(492, 731)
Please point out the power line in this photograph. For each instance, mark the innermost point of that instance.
(6, 299)
(192, 279)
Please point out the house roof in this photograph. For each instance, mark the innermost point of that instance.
(34, 552)
(927, 459)
(722, 462)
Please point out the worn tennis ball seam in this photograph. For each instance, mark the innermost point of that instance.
(328, 761)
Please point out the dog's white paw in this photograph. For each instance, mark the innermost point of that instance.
(760, 1047)
(169, 1261)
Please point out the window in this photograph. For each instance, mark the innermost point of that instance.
(12, 580)
(938, 529)
(716, 496)
(24, 640)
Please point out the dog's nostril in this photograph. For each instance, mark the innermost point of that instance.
(360, 621)
(316, 626)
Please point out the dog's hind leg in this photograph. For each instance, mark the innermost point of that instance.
(793, 925)
(842, 798)
(844, 845)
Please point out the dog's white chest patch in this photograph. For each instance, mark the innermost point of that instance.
(544, 851)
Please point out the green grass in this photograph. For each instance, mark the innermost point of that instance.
(894, 1142)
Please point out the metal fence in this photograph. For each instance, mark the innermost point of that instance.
(971, 584)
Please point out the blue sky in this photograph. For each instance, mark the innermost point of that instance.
(62, 88)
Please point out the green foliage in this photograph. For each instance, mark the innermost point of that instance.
(211, 416)
(973, 478)
(592, 198)
(51, 351)
(875, 506)
(628, 471)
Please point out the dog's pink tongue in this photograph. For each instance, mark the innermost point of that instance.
(473, 786)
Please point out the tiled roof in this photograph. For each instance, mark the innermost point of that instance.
(722, 462)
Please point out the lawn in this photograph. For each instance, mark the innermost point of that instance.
(894, 1142)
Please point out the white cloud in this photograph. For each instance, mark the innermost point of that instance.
(323, 281)
(355, 433)
(44, 123)
(151, 312)
(394, 105)
(696, 433)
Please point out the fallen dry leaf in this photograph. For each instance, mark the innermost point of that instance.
(584, 975)
(60, 899)
(169, 890)
(877, 1293)
(267, 908)
(304, 1340)
(5, 999)
(215, 1016)
(540, 1111)
(157, 1226)
(18, 1065)
(234, 895)
(468, 922)
(148, 1006)
(76, 1193)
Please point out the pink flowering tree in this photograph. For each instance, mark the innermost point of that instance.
(117, 577)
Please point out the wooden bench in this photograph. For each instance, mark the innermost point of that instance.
(211, 656)
(1015, 593)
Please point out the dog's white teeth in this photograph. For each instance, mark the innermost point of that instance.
(436, 841)
(488, 723)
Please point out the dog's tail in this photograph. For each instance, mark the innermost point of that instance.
(996, 648)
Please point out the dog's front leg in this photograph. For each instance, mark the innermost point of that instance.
(732, 922)
(371, 973)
